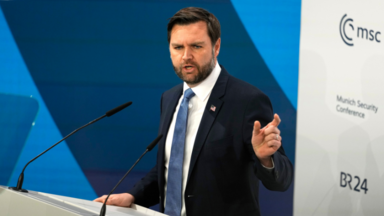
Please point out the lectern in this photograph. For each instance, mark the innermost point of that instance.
(15, 203)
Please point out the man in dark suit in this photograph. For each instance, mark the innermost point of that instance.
(220, 134)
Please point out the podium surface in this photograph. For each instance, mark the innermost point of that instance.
(37, 203)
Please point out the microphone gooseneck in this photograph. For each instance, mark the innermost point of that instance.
(149, 148)
(109, 113)
(118, 109)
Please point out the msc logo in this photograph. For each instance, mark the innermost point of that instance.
(347, 28)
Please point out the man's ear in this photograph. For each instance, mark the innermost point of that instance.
(217, 47)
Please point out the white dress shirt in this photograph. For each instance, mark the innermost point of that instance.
(195, 113)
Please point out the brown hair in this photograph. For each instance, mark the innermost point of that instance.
(192, 15)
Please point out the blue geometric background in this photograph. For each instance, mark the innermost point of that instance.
(64, 63)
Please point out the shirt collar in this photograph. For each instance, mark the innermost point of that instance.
(205, 87)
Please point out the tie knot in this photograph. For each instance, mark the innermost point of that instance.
(188, 94)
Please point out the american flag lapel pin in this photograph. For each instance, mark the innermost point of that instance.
(213, 108)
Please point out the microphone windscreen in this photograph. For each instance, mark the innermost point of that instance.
(153, 144)
(118, 109)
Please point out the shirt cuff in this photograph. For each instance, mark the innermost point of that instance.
(269, 168)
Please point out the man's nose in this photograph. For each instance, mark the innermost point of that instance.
(187, 54)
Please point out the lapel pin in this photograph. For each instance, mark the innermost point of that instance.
(213, 108)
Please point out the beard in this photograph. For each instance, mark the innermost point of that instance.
(202, 71)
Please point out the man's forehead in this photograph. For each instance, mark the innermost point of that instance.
(192, 27)
(182, 32)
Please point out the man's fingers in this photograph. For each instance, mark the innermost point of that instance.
(274, 144)
(256, 128)
(110, 201)
(271, 130)
(273, 137)
(273, 141)
(276, 120)
(100, 199)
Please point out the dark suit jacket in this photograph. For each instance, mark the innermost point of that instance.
(224, 172)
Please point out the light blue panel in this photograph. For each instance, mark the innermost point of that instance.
(57, 171)
(274, 27)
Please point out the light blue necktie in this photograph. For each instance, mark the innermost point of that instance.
(175, 168)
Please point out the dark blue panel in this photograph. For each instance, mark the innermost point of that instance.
(276, 203)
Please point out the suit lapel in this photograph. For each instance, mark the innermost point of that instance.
(170, 102)
(170, 106)
(209, 117)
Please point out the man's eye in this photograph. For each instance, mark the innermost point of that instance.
(178, 47)
(197, 47)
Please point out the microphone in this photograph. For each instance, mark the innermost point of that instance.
(108, 114)
(149, 148)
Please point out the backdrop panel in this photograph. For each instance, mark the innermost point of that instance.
(339, 152)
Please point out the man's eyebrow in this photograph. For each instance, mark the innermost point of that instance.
(194, 43)
(175, 44)
(198, 43)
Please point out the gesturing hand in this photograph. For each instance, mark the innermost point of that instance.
(266, 141)
(123, 199)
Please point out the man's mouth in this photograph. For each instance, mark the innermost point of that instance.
(189, 68)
